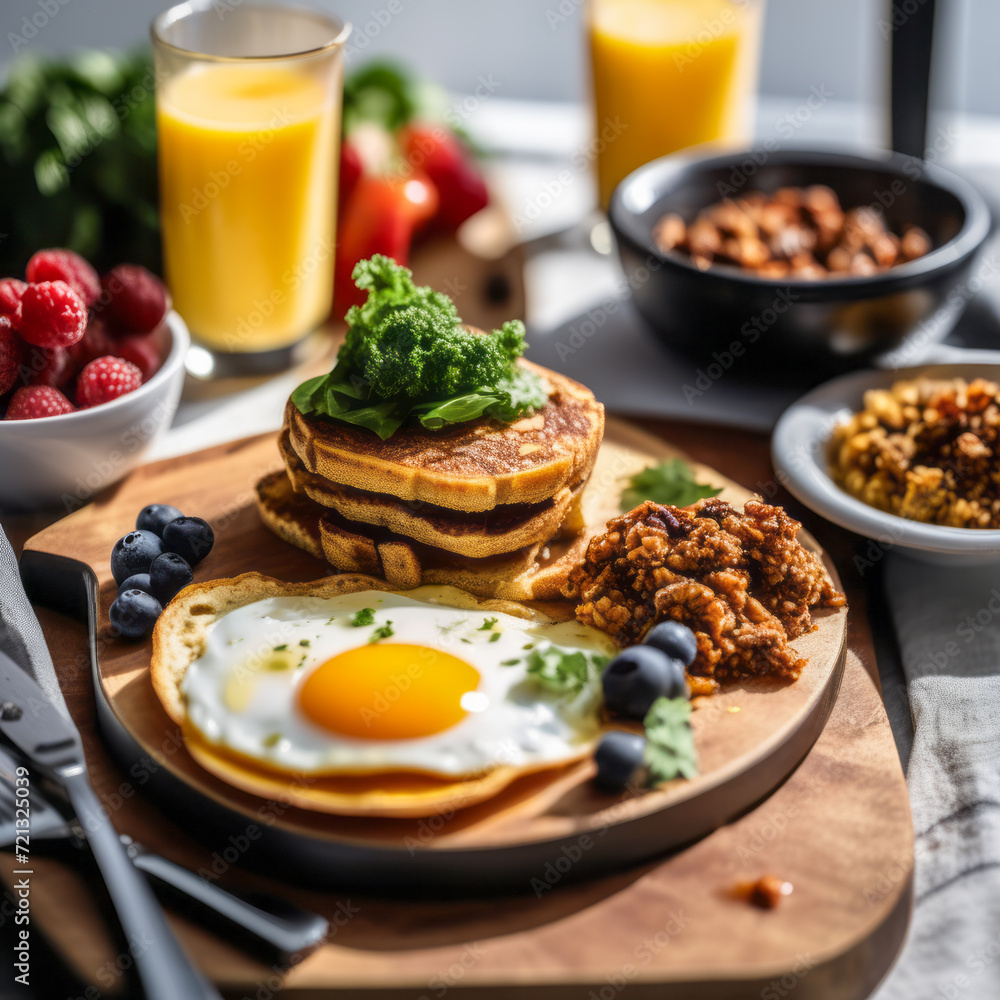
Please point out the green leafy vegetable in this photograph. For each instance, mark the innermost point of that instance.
(563, 672)
(78, 159)
(366, 616)
(670, 482)
(670, 749)
(382, 632)
(488, 623)
(407, 356)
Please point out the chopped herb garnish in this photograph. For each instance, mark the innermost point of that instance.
(366, 616)
(495, 637)
(281, 648)
(558, 670)
(445, 629)
(382, 632)
(528, 645)
(469, 641)
(510, 663)
(670, 749)
(670, 482)
(272, 739)
(305, 642)
(488, 623)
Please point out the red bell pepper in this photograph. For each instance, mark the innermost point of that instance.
(381, 216)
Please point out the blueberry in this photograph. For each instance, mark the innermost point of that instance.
(134, 613)
(618, 755)
(675, 640)
(138, 581)
(636, 677)
(156, 516)
(169, 575)
(190, 537)
(134, 553)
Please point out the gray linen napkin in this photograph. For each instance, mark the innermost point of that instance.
(20, 634)
(948, 623)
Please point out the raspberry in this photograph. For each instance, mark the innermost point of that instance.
(142, 350)
(47, 366)
(105, 379)
(11, 355)
(64, 265)
(135, 299)
(52, 315)
(11, 290)
(95, 343)
(38, 401)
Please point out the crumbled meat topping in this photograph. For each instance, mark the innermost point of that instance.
(740, 580)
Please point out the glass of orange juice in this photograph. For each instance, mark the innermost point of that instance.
(669, 74)
(248, 104)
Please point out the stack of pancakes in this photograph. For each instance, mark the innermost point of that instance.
(489, 507)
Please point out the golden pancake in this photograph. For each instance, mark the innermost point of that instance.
(473, 466)
(536, 572)
(478, 535)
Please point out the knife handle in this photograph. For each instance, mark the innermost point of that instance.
(162, 967)
(287, 930)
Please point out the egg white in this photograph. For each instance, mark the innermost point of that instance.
(242, 692)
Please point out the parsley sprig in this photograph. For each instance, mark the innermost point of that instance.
(564, 672)
(670, 482)
(670, 749)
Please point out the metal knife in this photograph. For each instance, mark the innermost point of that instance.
(258, 922)
(48, 741)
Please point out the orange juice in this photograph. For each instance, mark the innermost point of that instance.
(668, 74)
(248, 168)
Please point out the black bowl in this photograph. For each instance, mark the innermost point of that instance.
(725, 313)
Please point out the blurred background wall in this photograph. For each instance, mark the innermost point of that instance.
(535, 49)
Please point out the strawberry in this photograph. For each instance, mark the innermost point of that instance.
(438, 152)
(38, 401)
(64, 265)
(52, 315)
(105, 379)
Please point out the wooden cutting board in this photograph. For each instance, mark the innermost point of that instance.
(833, 918)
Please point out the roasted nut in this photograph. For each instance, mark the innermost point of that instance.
(915, 243)
(796, 232)
(669, 232)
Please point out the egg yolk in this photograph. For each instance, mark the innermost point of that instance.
(389, 691)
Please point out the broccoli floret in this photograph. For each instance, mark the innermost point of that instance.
(407, 340)
(408, 357)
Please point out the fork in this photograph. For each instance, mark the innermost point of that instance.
(250, 920)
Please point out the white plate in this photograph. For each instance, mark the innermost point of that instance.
(799, 450)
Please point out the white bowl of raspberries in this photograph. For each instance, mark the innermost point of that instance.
(91, 371)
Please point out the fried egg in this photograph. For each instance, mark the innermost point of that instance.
(374, 682)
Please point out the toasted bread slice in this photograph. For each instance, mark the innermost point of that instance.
(536, 572)
(470, 467)
(479, 535)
